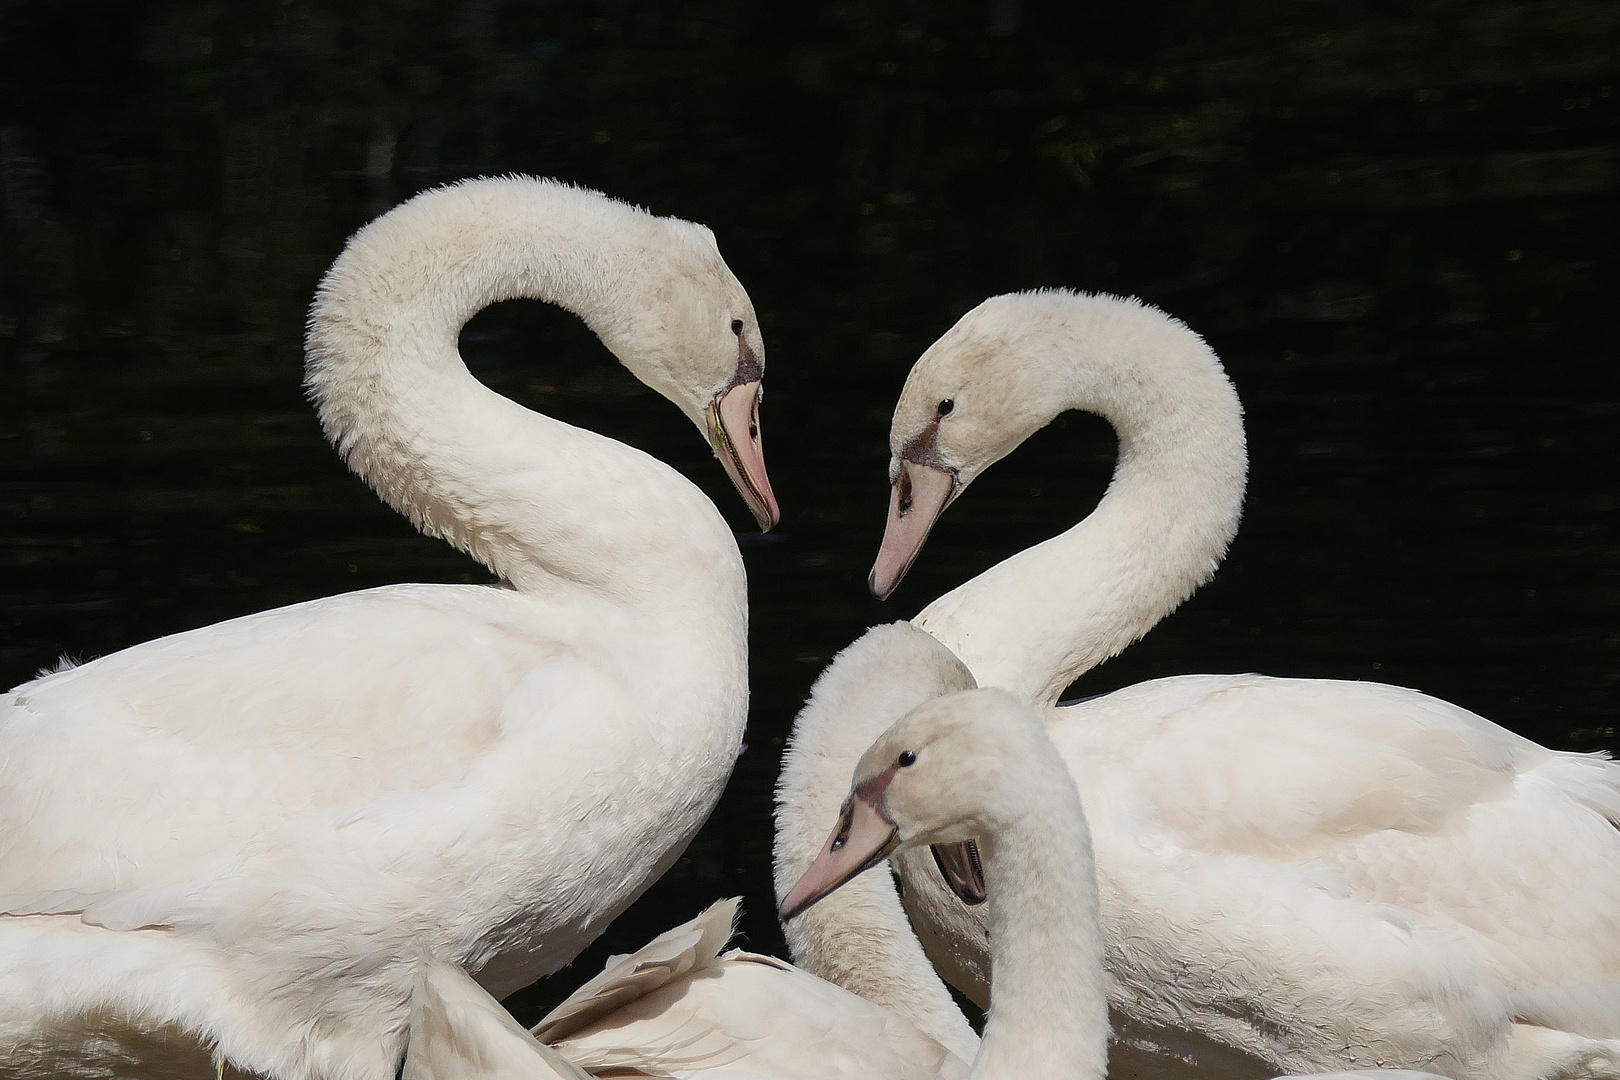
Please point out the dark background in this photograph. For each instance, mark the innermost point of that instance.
(1395, 222)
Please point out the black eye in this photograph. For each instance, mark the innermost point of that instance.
(736, 326)
(946, 406)
(907, 757)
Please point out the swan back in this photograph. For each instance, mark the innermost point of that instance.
(689, 949)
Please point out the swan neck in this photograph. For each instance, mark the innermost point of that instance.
(1048, 993)
(549, 507)
(859, 937)
(1038, 620)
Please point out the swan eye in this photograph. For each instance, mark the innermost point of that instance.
(907, 757)
(736, 326)
(946, 406)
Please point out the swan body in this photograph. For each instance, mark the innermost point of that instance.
(246, 833)
(677, 1008)
(1298, 875)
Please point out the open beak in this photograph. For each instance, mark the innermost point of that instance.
(919, 496)
(734, 433)
(863, 838)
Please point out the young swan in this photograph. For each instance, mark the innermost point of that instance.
(978, 765)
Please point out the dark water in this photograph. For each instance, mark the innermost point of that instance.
(1395, 223)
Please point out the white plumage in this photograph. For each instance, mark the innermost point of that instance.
(681, 1009)
(245, 835)
(978, 765)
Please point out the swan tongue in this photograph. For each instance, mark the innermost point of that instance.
(959, 865)
(920, 495)
(862, 839)
(734, 433)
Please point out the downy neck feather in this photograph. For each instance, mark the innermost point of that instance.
(1049, 1007)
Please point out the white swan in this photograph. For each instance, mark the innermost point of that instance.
(248, 832)
(1296, 874)
(977, 765)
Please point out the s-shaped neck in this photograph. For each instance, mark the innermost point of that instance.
(859, 937)
(551, 508)
(1038, 620)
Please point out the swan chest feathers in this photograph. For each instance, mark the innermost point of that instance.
(345, 782)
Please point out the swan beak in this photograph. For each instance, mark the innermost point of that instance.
(734, 433)
(919, 496)
(959, 865)
(863, 838)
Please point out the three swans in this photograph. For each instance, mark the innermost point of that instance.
(249, 832)
(1296, 874)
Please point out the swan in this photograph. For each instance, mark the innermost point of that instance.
(1297, 875)
(246, 833)
(978, 766)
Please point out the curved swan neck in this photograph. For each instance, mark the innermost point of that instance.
(859, 937)
(545, 505)
(1048, 991)
(1038, 620)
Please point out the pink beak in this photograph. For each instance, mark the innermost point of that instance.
(734, 434)
(863, 838)
(919, 496)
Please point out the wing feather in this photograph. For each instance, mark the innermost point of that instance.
(459, 1032)
(122, 781)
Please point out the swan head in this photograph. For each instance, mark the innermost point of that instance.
(689, 331)
(992, 381)
(948, 773)
(1010, 366)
